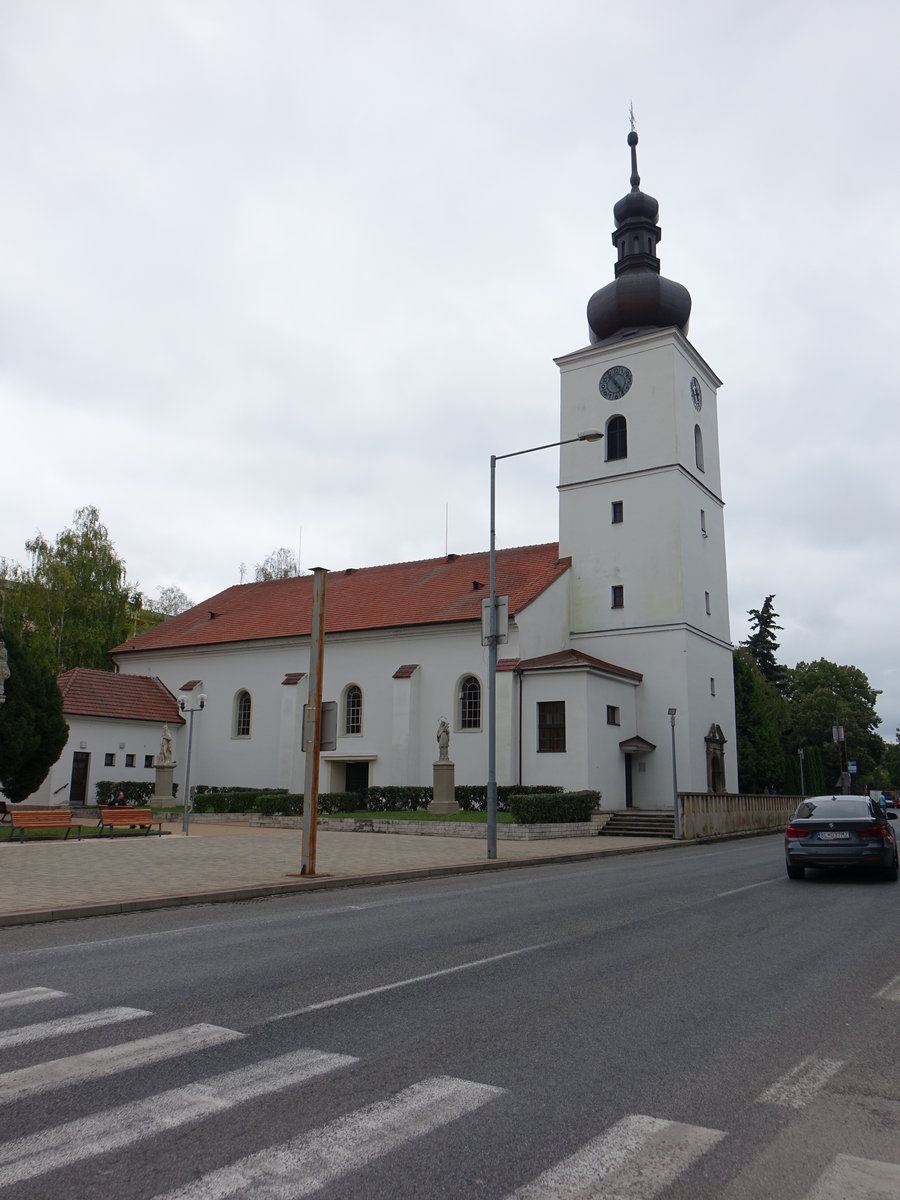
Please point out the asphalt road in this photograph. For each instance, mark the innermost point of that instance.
(686, 1024)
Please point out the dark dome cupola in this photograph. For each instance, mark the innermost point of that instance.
(639, 297)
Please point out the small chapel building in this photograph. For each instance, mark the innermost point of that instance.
(619, 656)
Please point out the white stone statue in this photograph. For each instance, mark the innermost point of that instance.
(4, 670)
(443, 740)
(165, 757)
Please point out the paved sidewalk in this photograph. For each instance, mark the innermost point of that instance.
(56, 880)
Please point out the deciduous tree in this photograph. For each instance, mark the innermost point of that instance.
(280, 564)
(73, 601)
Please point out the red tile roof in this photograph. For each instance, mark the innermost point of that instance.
(567, 659)
(430, 592)
(88, 693)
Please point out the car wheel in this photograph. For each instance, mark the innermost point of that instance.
(891, 872)
(795, 872)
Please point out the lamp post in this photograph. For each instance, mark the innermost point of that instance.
(672, 712)
(201, 704)
(802, 784)
(589, 435)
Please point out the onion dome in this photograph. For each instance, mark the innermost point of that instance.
(639, 297)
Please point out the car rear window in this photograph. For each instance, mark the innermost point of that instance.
(839, 808)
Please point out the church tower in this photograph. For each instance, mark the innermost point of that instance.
(641, 515)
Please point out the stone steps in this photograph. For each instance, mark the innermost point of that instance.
(632, 823)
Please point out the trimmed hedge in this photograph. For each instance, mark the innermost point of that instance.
(552, 807)
(138, 793)
(279, 802)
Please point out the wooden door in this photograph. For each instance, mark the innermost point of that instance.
(78, 784)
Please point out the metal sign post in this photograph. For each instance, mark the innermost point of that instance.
(312, 733)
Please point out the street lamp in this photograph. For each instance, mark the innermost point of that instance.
(672, 712)
(589, 435)
(802, 784)
(201, 704)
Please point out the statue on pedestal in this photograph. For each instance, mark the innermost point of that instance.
(165, 757)
(443, 740)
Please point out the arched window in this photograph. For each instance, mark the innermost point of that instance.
(698, 448)
(242, 707)
(616, 438)
(470, 703)
(353, 709)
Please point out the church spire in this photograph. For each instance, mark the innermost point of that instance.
(640, 297)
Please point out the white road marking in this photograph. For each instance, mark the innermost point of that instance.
(849, 1178)
(747, 888)
(635, 1159)
(49, 1149)
(28, 996)
(798, 1086)
(890, 991)
(309, 1162)
(97, 1064)
(68, 1025)
(402, 983)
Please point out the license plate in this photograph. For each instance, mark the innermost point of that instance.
(833, 835)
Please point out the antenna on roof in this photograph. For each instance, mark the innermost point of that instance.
(446, 527)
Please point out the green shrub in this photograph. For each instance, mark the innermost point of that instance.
(552, 807)
(135, 792)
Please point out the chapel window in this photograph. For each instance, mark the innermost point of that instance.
(470, 703)
(353, 709)
(242, 711)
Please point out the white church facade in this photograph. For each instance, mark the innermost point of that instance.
(620, 622)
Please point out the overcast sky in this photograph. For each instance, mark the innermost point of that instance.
(276, 273)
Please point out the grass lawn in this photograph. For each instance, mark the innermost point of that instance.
(58, 835)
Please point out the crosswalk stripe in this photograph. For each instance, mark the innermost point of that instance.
(798, 1086)
(110, 1060)
(632, 1160)
(67, 1025)
(309, 1162)
(37, 1153)
(848, 1178)
(28, 996)
(890, 991)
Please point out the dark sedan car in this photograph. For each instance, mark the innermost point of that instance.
(840, 831)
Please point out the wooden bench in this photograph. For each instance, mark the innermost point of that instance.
(47, 818)
(128, 818)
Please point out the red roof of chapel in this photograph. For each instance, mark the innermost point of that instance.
(429, 592)
(90, 693)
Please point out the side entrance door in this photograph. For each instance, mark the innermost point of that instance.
(78, 785)
(357, 777)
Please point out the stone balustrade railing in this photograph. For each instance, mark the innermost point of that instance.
(703, 814)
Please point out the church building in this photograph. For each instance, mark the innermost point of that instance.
(618, 659)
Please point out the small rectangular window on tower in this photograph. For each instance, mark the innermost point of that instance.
(148, 760)
(618, 512)
(703, 523)
(618, 596)
(129, 760)
(712, 685)
(109, 760)
(708, 610)
(612, 714)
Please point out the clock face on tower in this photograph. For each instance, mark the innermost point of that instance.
(696, 393)
(615, 382)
